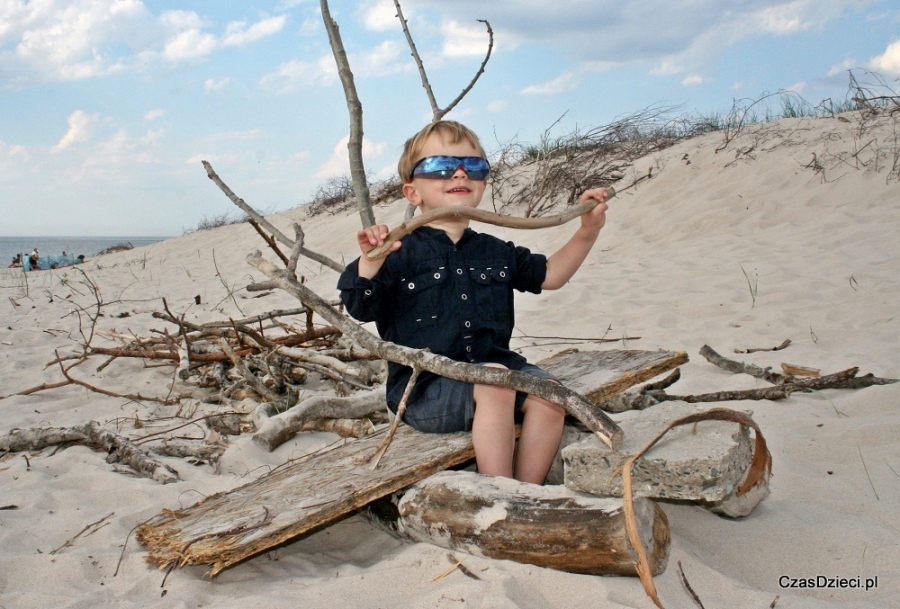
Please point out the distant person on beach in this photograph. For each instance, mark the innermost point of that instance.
(446, 288)
(80, 258)
(33, 262)
(16, 262)
(35, 254)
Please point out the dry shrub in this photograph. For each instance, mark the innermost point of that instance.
(533, 180)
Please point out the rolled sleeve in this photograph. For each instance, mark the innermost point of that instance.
(531, 270)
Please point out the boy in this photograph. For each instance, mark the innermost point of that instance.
(449, 289)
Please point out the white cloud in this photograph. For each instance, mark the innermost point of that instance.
(386, 58)
(564, 82)
(842, 67)
(692, 80)
(381, 16)
(310, 26)
(888, 63)
(668, 67)
(80, 128)
(189, 44)
(498, 105)
(154, 114)
(464, 40)
(63, 40)
(785, 19)
(292, 75)
(238, 34)
(211, 85)
(798, 87)
(339, 163)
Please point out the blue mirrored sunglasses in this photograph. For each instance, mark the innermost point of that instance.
(443, 167)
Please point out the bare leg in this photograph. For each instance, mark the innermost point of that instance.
(493, 429)
(539, 441)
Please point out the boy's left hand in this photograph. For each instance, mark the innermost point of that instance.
(596, 218)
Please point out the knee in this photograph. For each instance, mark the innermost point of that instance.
(493, 392)
(547, 411)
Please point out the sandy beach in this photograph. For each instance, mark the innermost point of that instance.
(789, 232)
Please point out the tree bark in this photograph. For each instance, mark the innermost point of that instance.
(480, 215)
(354, 106)
(548, 526)
(94, 437)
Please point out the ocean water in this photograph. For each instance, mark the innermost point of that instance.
(55, 246)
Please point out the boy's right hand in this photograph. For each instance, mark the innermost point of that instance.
(368, 239)
(372, 236)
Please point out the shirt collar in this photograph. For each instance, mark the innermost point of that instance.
(441, 236)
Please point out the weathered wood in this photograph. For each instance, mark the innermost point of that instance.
(548, 526)
(598, 375)
(118, 448)
(227, 528)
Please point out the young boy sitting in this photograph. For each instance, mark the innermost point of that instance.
(446, 288)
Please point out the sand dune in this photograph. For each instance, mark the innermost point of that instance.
(821, 247)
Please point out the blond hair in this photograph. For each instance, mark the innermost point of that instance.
(453, 131)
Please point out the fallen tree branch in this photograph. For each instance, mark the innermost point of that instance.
(94, 437)
(275, 431)
(605, 429)
(783, 345)
(739, 367)
(211, 173)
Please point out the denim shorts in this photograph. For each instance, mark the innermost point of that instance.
(448, 405)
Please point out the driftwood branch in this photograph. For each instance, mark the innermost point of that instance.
(401, 410)
(739, 367)
(354, 106)
(325, 260)
(277, 430)
(438, 113)
(94, 437)
(605, 429)
(480, 215)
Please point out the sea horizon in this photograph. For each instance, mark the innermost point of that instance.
(53, 245)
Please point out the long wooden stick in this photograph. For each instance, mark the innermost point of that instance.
(488, 217)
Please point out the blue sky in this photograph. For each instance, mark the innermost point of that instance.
(107, 107)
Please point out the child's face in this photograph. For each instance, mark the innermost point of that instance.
(457, 191)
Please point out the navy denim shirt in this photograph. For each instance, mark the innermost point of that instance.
(454, 299)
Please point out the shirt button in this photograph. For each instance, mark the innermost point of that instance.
(468, 324)
(464, 297)
(411, 285)
(368, 292)
(459, 271)
(468, 349)
(503, 273)
(483, 276)
(437, 275)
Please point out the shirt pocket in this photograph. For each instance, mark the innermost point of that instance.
(493, 296)
(419, 299)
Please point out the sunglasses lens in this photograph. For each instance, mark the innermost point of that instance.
(443, 167)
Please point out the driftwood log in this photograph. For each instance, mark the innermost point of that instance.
(93, 436)
(227, 528)
(548, 526)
